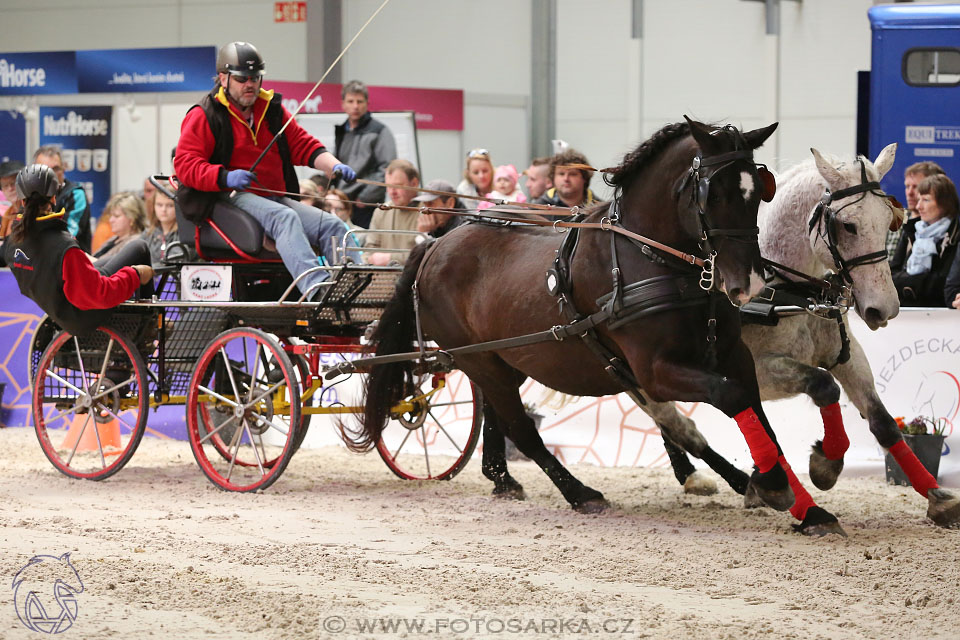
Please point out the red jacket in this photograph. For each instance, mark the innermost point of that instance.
(196, 146)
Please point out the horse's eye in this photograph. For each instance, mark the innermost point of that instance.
(850, 228)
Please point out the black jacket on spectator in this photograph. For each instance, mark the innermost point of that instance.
(952, 287)
(368, 149)
(924, 289)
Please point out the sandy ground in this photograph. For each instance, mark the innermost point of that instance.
(339, 544)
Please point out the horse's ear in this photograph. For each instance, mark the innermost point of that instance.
(757, 137)
(701, 133)
(885, 160)
(828, 171)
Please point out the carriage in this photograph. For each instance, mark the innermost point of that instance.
(248, 370)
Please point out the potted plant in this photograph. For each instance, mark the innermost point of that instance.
(925, 437)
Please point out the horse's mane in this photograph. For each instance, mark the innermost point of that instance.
(634, 161)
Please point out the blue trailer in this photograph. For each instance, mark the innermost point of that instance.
(915, 87)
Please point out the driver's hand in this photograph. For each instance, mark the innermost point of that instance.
(145, 272)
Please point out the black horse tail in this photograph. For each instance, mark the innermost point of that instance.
(390, 383)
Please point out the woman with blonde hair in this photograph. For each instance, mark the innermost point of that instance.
(477, 177)
(127, 219)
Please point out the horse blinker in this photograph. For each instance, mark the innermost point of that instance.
(768, 183)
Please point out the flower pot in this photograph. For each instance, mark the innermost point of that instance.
(927, 448)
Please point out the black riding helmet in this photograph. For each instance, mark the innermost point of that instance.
(37, 179)
(240, 59)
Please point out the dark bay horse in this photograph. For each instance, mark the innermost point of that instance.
(693, 187)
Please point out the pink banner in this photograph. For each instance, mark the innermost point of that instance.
(434, 108)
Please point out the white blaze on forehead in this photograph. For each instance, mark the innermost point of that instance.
(747, 185)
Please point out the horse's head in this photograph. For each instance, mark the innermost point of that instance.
(719, 198)
(848, 231)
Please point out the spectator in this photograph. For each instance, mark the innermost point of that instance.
(477, 177)
(217, 146)
(149, 191)
(571, 184)
(505, 186)
(164, 233)
(367, 145)
(322, 182)
(434, 223)
(127, 218)
(928, 245)
(912, 177)
(337, 203)
(952, 288)
(399, 174)
(538, 177)
(52, 270)
(8, 185)
(310, 194)
(72, 197)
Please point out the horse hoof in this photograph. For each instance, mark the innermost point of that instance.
(751, 500)
(819, 522)
(700, 484)
(772, 488)
(823, 471)
(596, 505)
(944, 508)
(509, 490)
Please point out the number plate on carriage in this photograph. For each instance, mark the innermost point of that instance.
(204, 282)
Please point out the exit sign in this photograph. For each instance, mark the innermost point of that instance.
(289, 11)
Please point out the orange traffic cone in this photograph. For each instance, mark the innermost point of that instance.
(109, 435)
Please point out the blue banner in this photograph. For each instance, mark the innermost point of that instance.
(83, 135)
(37, 73)
(131, 70)
(13, 137)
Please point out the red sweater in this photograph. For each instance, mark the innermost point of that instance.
(87, 288)
(196, 144)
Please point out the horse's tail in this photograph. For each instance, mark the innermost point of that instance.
(390, 383)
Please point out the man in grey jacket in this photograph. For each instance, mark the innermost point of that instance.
(365, 144)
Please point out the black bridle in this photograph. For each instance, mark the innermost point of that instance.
(825, 219)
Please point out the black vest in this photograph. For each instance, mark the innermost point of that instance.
(37, 265)
(197, 205)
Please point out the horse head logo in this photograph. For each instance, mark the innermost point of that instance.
(45, 593)
(938, 396)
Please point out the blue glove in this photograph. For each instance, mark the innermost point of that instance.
(239, 179)
(348, 174)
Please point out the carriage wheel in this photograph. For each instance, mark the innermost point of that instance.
(212, 415)
(436, 433)
(248, 391)
(90, 400)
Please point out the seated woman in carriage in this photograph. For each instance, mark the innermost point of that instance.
(52, 270)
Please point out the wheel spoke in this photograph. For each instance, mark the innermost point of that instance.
(211, 392)
(233, 383)
(444, 432)
(222, 425)
(265, 394)
(235, 445)
(64, 382)
(83, 372)
(63, 414)
(77, 443)
(129, 380)
(253, 375)
(270, 424)
(426, 453)
(115, 416)
(450, 404)
(402, 442)
(253, 445)
(106, 359)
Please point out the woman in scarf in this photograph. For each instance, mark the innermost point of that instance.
(928, 245)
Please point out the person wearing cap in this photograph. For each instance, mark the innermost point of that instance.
(223, 136)
(8, 186)
(571, 184)
(437, 223)
(367, 145)
(52, 270)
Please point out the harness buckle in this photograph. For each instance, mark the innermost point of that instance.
(554, 329)
(605, 221)
(559, 229)
(707, 275)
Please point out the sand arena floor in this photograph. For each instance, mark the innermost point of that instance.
(339, 547)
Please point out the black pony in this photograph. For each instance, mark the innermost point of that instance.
(663, 324)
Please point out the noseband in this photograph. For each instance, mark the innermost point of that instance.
(825, 219)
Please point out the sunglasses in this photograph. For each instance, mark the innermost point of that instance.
(478, 153)
(246, 79)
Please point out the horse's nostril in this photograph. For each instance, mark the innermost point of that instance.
(873, 315)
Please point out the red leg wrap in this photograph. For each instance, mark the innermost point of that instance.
(919, 477)
(762, 449)
(835, 441)
(803, 500)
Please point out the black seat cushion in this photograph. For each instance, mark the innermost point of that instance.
(238, 225)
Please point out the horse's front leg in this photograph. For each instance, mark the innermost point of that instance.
(737, 397)
(783, 376)
(857, 379)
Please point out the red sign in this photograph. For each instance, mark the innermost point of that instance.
(433, 108)
(289, 11)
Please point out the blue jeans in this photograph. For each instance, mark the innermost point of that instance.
(296, 229)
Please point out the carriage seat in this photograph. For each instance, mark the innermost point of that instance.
(230, 233)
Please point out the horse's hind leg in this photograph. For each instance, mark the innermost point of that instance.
(681, 436)
(494, 463)
(791, 377)
(943, 506)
